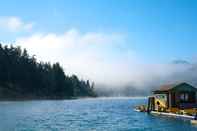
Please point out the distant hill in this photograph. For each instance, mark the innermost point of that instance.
(23, 77)
(183, 62)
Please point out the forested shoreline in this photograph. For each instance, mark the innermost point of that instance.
(23, 77)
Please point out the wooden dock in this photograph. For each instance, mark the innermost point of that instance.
(173, 115)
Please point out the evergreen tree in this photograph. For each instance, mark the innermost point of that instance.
(21, 76)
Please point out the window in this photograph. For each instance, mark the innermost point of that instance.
(161, 96)
(184, 97)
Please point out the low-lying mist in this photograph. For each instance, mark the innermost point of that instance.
(176, 72)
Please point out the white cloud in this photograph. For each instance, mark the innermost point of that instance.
(86, 54)
(96, 56)
(14, 24)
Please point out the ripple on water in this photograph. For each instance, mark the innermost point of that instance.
(84, 115)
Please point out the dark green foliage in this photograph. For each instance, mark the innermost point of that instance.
(21, 76)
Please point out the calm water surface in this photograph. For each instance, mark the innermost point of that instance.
(84, 115)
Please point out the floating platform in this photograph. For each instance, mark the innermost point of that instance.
(173, 115)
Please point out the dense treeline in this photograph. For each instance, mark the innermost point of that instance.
(22, 76)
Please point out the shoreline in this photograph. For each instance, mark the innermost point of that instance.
(36, 99)
(72, 98)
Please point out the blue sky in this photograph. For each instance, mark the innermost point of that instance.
(157, 31)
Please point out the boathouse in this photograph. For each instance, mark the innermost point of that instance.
(173, 98)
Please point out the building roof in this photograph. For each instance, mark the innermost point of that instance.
(166, 87)
(175, 87)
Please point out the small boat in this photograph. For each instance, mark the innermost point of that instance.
(141, 108)
(137, 110)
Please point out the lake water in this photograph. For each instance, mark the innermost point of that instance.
(112, 114)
